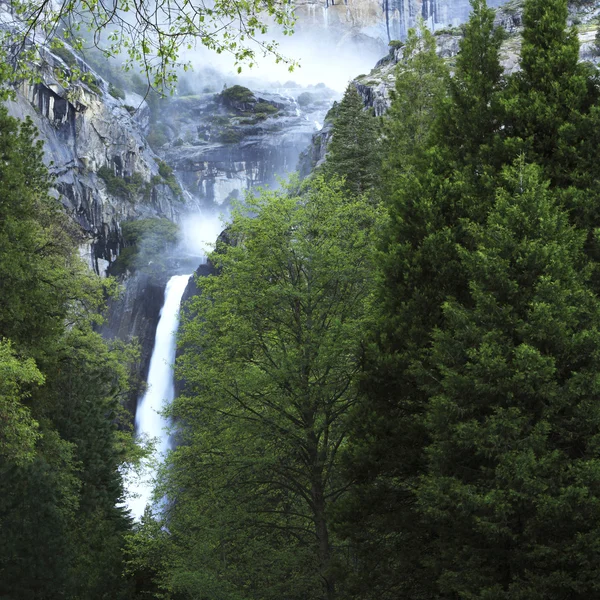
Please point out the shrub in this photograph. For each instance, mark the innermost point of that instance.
(144, 243)
(305, 98)
(265, 108)
(230, 136)
(237, 94)
(164, 170)
(167, 176)
(93, 84)
(116, 92)
(122, 187)
(65, 55)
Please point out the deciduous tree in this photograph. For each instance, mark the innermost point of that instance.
(270, 358)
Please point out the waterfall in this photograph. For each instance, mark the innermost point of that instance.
(148, 420)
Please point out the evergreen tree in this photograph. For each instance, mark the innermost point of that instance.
(418, 269)
(33, 294)
(61, 532)
(544, 100)
(470, 121)
(512, 488)
(353, 152)
(420, 88)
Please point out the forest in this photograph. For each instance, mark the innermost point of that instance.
(390, 387)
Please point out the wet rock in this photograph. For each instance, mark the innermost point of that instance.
(380, 20)
(135, 315)
(226, 144)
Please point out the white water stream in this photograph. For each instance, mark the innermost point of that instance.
(148, 420)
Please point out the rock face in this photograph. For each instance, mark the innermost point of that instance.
(106, 173)
(314, 156)
(136, 314)
(376, 86)
(221, 146)
(88, 133)
(381, 20)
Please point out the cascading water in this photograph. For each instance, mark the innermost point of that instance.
(149, 422)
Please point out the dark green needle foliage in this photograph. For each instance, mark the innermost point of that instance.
(544, 101)
(512, 486)
(473, 453)
(470, 121)
(418, 266)
(354, 152)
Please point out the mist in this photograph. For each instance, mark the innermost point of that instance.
(323, 57)
(199, 232)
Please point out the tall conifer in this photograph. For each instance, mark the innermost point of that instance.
(545, 98)
(512, 488)
(471, 120)
(353, 153)
(385, 454)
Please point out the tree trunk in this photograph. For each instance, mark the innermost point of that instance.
(324, 549)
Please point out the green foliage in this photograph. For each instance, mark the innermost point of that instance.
(144, 244)
(512, 469)
(543, 100)
(472, 110)
(168, 176)
(421, 85)
(450, 31)
(418, 269)
(164, 170)
(353, 153)
(65, 55)
(271, 350)
(116, 92)
(93, 85)
(123, 187)
(474, 450)
(265, 108)
(20, 431)
(237, 94)
(61, 388)
(154, 40)
(36, 262)
(230, 135)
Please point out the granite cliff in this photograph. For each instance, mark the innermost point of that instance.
(105, 172)
(380, 20)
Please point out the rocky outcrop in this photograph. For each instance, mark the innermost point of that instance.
(135, 314)
(376, 86)
(221, 145)
(314, 156)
